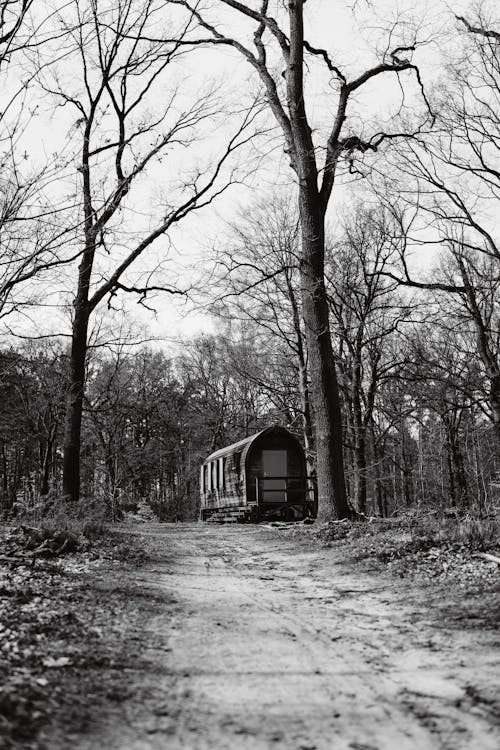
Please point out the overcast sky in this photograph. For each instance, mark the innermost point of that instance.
(353, 40)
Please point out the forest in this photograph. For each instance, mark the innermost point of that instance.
(327, 211)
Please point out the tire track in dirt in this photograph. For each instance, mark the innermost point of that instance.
(349, 667)
(273, 645)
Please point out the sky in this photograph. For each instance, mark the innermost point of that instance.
(356, 38)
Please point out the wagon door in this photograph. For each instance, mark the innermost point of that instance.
(274, 465)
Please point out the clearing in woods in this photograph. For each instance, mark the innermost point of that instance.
(263, 642)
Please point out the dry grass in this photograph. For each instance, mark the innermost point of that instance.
(434, 548)
(54, 513)
(473, 532)
(411, 534)
(431, 528)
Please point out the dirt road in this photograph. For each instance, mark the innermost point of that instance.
(263, 643)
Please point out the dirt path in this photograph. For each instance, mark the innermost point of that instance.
(263, 643)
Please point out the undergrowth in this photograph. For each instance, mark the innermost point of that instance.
(88, 518)
(431, 546)
(475, 533)
(64, 637)
(423, 531)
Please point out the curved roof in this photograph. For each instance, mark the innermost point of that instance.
(243, 446)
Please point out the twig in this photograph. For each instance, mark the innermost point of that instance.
(488, 557)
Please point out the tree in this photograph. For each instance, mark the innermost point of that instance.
(12, 15)
(258, 268)
(32, 389)
(30, 244)
(448, 191)
(114, 83)
(368, 317)
(479, 305)
(315, 181)
(133, 408)
(444, 382)
(225, 402)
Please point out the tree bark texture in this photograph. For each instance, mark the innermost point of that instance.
(303, 380)
(79, 346)
(305, 406)
(458, 481)
(74, 405)
(332, 497)
(359, 431)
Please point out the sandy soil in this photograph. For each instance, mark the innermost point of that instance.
(265, 643)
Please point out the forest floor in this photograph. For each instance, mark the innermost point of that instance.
(252, 637)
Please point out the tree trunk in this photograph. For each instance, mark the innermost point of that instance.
(305, 407)
(458, 480)
(379, 494)
(495, 403)
(406, 469)
(109, 462)
(305, 400)
(79, 343)
(5, 477)
(332, 497)
(459, 491)
(45, 468)
(451, 477)
(74, 405)
(359, 436)
(360, 467)
(47, 450)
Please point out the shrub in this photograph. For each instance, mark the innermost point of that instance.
(474, 532)
(54, 513)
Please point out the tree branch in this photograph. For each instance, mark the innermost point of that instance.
(487, 33)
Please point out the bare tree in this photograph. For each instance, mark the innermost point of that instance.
(315, 166)
(30, 243)
(448, 192)
(12, 16)
(116, 83)
(368, 318)
(32, 383)
(259, 279)
(444, 380)
(476, 309)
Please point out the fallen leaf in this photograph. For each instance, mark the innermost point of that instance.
(62, 661)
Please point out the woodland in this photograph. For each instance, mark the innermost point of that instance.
(349, 271)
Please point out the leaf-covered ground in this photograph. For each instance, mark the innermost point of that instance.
(64, 638)
(71, 627)
(440, 553)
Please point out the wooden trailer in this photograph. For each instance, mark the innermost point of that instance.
(262, 476)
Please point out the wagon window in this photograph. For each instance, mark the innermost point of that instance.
(221, 474)
(237, 462)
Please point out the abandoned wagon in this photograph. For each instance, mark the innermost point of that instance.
(262, 476)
